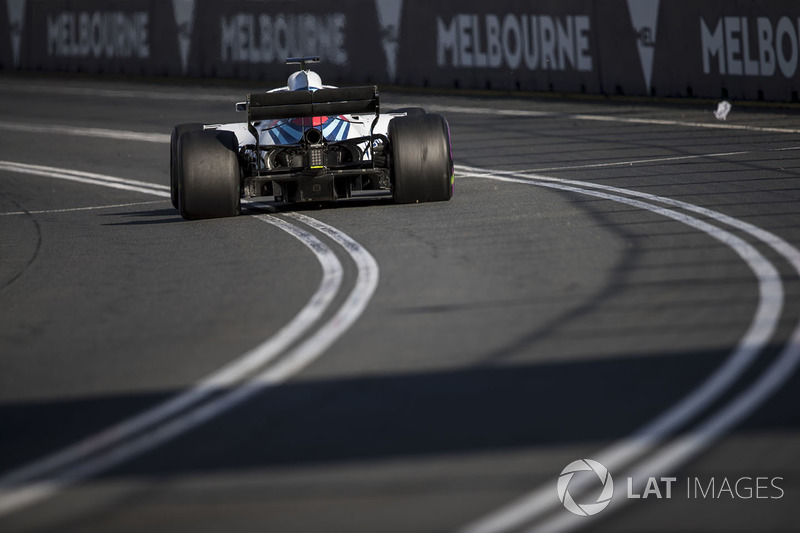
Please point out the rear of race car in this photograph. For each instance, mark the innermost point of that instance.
(310, 144)
(320, 152)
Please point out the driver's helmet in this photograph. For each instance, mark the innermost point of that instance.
(304, 80)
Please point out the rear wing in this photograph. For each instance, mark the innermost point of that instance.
(323, 102)
(319, 103)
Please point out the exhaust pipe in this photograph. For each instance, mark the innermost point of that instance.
(313, 136)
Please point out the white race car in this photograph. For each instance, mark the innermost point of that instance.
(310, 142)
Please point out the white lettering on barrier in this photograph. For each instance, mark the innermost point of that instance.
(542, 42)
(729, 48)
(99, 34)
(250, 38)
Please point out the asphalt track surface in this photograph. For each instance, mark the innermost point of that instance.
(611, 281)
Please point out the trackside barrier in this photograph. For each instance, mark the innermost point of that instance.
(738, 49)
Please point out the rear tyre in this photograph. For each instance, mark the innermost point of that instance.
(209, 185)
(421, 159)
(174, 166)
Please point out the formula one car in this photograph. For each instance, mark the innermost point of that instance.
(310, 142)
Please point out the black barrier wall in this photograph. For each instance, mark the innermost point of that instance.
(743, 49)
(546, 45)
(251, 39)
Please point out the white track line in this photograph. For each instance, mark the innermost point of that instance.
(44, 478)
(90, 178)
(488, 111)
(659, 122)
(351, 310)
(291, 363)
(656, 160)
(72, 209)
(12, 496)
(485, 111)
(535, 504)
(145, 93)
(469, 110)
(99, 133)
(640, 161)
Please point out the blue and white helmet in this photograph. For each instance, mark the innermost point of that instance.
(304, 80)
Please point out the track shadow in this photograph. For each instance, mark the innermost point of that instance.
(145, 218)
(365, 418)
(147, 222)
(170, 216)
(358, 202)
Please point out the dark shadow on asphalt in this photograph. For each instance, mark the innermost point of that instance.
(360, 418)
(256, 208)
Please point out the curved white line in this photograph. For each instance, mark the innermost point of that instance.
(470, 110)
(73, 209)
(685, 447)
(491, 111)
(98, 133)
(12, 497)
(650, 161)
(150, 93)
(348, 313)
(291, 363)
(90, 178)
(16, 489)
(755, 339)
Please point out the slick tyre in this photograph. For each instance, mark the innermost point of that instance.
(421, 159)
(174, 166)
(209, 185)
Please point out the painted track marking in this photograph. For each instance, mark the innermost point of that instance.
(153, 94)
(460, 109)
(470, 110)
(667, 159)
(90, 178)
(540, 501)
(488, 111)
(12, 496)
(74, 209)
(44, 478)
(98, 133)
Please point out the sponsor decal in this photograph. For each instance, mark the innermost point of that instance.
(184, 18)
(389, 20)
(99, 34)
(644, 17)
(16, 19)
(251, 38)
(535, 42)
(290, 131)
(750, 46)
